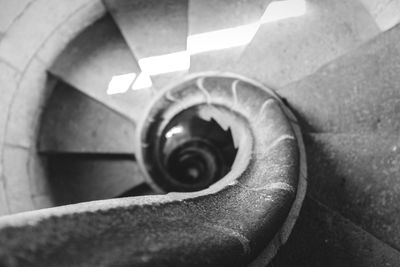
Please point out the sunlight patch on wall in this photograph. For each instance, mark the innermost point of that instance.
(143, 81)
(203, 42)
(242, 35)
(283, 10)
(119, 84)
(221, 39)
(165, 63)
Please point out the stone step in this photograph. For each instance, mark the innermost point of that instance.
(151, 27)
(73, 122)
(219, 30)
(156, 32)
(359, 177)
(323, 238)
(356, 93)
(88, 148)
(385, 12)
(299, 36)
(99, 63)
(75, 178)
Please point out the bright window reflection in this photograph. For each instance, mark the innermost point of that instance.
(203, 42)
(165, 63)
(143, 81)
(242, 35)
(175, 130)
(120, 83)
(221, 39)
(283, 10)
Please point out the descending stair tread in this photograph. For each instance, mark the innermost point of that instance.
(322, 237)
(93, 58)
(290, 48)
(358, 176)
(89, 148)
(79, 178)
(73, 122)
(385, 13)
(151, 27)
(358, 92)
(154, 28)
(212, 15)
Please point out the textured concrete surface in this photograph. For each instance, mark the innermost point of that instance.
(73, 122)
(356, 93)
(10, 10)
(16, 176)
(29, 34)
(358, 176)
(152, 27)
(385, 12)
(198, 232)
(75, 23)
(24, 38)
(286, 50)
(79, 178)
(212, 15)
(8, 83)
(89, 148)
(21, 124)
(323, 238)
(90, 62)
(27, 104)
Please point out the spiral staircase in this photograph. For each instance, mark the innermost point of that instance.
(82, 82)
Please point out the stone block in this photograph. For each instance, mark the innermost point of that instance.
(27, 105)
(80, 20)
(289, 49)
(322, 237)
(145, 24)
(10, 10)
(28, 33)
(214, 15)
(8, 83)
(385, 12)
(358, 176)
(90, 63)
(356, 93)
(17, 179)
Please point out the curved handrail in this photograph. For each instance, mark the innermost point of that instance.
(240, 220)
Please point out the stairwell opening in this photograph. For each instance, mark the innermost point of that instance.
(191, 153)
